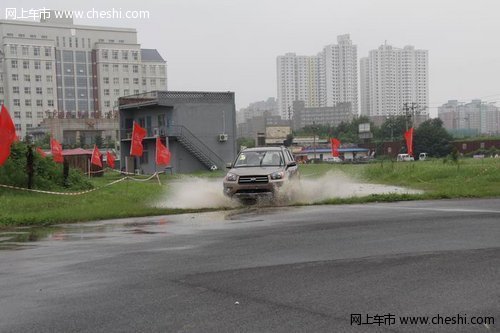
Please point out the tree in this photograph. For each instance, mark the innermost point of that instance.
(393, 128)
(432, 138)
(247, 142)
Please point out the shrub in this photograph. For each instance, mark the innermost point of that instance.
(48, 175)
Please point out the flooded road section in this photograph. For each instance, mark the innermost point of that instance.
(129, 230)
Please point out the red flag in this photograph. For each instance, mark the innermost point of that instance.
(7, 134)
(162, 153)
(111, 159)
(56, 149)
(138, 133)
(41, 152)
(335, 147)
(409, 141)
(96, 157)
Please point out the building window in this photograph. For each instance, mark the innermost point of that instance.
(50, 91)
(15, 77)
(48, 51)
(38, 78)
(116, 80)
(25, 50)
(1, 92)
(13, 63)
(153, 82)
(38, 90)
(106, 92)
(126, 92)
(105, 68)
(13, 49)
(17, 114)
(143, 69)
(27, 90)
(136, 80)
(135, 55)
(27, 78)
(116, 92)
(50, 102)
(26, 64)
(27, 102)
(17, 102)
(36, 51)
(125, 68)
(39, 102)
(105, 54)
(124, 54)
(136, 91)
(115, 68)
(15, 90)
(39, 114)
(105, 80)
(135, 69)
(18, 127)
(126, 80)
(152, 69)
(162, 82)
(48, 66)
(37, 64)
(28, 114)
(114, 54)
(143, 82)
(48, 78)
(107, 104)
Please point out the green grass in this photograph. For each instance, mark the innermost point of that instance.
(125, 199)
(468, 179)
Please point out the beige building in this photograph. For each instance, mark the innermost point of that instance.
(77, 70)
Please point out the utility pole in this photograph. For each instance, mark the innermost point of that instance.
(410, 111)
(314, 140)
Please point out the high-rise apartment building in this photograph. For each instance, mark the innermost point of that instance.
(74, 71)
(476, 117)
(391, 77)
(326, 79)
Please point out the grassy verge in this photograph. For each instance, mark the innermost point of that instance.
(469, 178)
(125, 199)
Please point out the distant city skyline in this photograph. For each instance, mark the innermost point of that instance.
(222, 45)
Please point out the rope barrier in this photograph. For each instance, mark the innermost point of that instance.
(62, 193)
(156, 174)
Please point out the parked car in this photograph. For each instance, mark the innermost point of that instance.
(422, 156)
(332, 159)
(404, 158)
(260, 172)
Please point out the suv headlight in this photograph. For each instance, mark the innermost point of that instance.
(277, 175)
(231, 177)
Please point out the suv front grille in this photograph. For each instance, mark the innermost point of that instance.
(253, 180)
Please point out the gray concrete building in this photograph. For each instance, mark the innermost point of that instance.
(198, 127)
(79, 70)
(334, 115)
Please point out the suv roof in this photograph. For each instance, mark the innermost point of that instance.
(263, 148)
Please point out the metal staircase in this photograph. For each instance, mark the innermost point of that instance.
(196, 147)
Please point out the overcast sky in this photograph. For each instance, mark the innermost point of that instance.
(231, 45)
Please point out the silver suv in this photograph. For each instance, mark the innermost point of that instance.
(258, 172)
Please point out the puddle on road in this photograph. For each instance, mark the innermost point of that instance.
(26, 237)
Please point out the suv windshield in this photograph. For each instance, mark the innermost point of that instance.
(259, 158)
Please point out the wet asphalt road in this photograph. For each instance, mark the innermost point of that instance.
(258, 270)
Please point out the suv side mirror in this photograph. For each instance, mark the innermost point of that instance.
(229, 165)
(291, 164)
